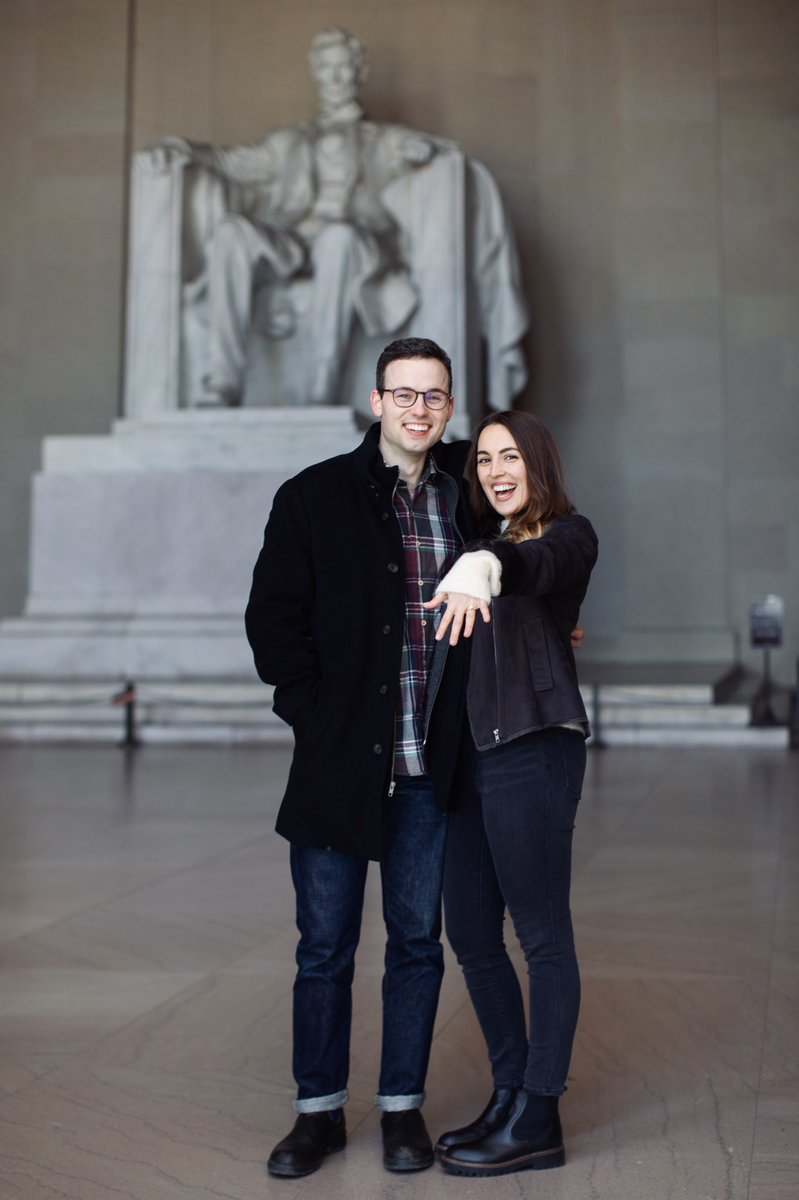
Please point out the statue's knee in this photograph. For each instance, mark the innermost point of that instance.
(231, 230)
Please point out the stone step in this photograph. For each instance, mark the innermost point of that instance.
(165, 710)
(676, 709)
(615, 713)
(776, 737)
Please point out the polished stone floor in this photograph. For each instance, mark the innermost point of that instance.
(146, 950)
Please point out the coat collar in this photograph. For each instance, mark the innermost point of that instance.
(449, 457)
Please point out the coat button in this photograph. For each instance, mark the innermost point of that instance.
(383, 689)
(386, 629)
(377, 748)
(393, 568)
(384, 516)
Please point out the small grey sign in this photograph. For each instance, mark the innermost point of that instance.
(766, 617)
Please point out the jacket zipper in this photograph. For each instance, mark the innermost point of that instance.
(496, 675)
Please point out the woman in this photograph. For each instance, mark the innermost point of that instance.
(509, 844)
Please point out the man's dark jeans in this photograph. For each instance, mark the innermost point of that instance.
(510, 845)
(330, 891)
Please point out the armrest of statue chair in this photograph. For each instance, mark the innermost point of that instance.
(173, 208)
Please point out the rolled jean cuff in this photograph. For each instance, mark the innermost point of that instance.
(322, 1103)
(399, 1103)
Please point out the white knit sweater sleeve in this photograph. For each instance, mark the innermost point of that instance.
(477, 573)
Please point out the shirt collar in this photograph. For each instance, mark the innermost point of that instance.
(430, 469)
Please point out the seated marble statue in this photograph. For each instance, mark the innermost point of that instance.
(304, 213)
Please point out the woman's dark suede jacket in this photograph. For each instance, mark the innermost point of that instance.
(523, 676)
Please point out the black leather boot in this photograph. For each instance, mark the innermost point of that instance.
(406, 1142)
(528, 1139)
(491, 1116)
(314, 1136)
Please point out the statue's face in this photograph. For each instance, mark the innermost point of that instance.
(336, 75)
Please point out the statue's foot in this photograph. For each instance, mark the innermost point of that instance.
(230, 397)
(219, 395)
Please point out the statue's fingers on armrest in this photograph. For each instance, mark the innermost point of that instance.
(177, 145)
(162, 155)
(417, 149)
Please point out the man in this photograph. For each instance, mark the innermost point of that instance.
(307, 201)
(352, 549)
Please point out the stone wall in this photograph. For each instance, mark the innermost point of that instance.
(63, 146)
(648, 151)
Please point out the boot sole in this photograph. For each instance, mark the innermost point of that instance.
(544, 1160)
(399, 1167)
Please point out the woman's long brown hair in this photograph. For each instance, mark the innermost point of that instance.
(548, 496)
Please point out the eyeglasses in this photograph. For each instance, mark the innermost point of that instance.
(406, 397)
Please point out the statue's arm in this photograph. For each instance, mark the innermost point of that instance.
(243, 164)
(405, 149)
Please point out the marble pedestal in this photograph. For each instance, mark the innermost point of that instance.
(143, 542)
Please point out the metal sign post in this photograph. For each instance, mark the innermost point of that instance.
(766, 619)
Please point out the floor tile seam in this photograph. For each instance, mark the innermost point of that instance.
(634, 807)
(609, 832)
(231, 968)
(66, 865)
(126, 894)
(768, 999)
(71, 1059)
(462, 1006)
(622, 819)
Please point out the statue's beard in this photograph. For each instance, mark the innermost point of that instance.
(344, 110)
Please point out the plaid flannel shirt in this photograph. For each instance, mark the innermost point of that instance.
(430, 545)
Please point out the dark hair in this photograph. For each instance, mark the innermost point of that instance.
(548, 496)
(410, 348)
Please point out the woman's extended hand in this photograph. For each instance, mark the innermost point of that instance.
(459, 615)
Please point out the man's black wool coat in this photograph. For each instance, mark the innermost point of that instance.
(325, 620)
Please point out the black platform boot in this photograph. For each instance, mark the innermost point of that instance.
(492, 1115)
(528, 1139)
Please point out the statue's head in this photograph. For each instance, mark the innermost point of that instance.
(338, 64)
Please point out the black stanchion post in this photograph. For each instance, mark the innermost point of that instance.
(596, 723)
(766, 617)
(127, 698)
(767, 714)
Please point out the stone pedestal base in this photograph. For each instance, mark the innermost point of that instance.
(143, 543)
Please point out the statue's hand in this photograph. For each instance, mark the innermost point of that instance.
(171, 151)
(416, 150)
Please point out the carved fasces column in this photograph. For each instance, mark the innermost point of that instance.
(154, 294)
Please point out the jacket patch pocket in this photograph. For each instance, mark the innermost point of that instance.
(538, 654)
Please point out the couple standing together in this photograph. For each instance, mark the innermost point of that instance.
(439, 730)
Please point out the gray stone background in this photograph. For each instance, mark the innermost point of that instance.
(648, 151)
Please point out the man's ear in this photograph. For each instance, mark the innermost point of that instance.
(376, 401)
